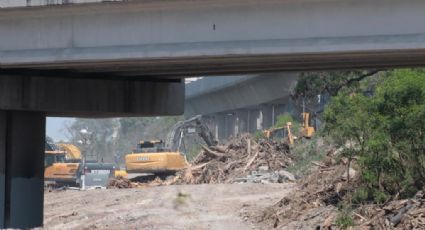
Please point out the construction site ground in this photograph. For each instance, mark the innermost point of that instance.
(202, 206)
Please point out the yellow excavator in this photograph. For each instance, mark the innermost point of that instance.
(165, 158)
(62, 164)
(282, 132)
(153, 157)
(307, 131)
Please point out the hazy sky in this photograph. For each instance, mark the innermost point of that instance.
(55, 127)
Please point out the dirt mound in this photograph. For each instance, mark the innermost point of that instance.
(241, 156)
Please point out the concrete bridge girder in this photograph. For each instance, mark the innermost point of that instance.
(189, 37)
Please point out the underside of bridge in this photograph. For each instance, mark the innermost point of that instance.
(25, 101)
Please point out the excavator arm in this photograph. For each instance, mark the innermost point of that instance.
(179, 130)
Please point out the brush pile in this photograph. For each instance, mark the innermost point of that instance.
(397, 214)
(314, 202)
(241, 156)
(120, 183)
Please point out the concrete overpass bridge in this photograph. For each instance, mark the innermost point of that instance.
(128, 59)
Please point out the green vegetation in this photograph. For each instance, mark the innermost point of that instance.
(343, 219)
(181, 199)
(282, 119)
(305, 153)
(385, 132)
(312, 84)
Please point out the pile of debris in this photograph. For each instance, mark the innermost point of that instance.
(397, 214)
(243, 159)
(314, 202)
(120, 183)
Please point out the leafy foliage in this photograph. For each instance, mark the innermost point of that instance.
(385, 132)
(282, 119)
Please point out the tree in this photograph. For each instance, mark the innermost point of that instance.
(385, 131)
(311, 84)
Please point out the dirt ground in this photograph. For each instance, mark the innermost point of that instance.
(206, 206)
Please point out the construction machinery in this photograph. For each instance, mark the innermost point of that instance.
(165, 158)
(281, 132)
(307, 131)
(62, 166)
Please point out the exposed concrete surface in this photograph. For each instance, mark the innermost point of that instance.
(91, 97)
(211, 84)
(208, 206)
(29, 3)
(189, 37)
(24, 141)
(2, 166)
(253, 91)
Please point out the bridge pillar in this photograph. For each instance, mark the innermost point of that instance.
(2, 168)
(268, 116)
(22, 137)
(242, 118)
(253, 116)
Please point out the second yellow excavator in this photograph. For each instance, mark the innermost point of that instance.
(306, 130)
(281, 132)
(165, 158)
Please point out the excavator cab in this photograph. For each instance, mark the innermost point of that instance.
(150, 146)
(52, 157)
(58, 171)
(153, 157)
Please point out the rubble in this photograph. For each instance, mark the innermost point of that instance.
(243, 159)
(285, 176)
(120, 183)
(397, 214)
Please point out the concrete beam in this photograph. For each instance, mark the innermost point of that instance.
(189, 37)
(91, 97)
(22, 138)
(256, 90)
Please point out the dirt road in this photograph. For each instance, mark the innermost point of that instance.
(167, 207)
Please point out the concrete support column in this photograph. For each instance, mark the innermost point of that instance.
(22, 138)
(242, 121)
(268, 116)
(2, 168)
(220, 126)
(252, 120)
(229, 124)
